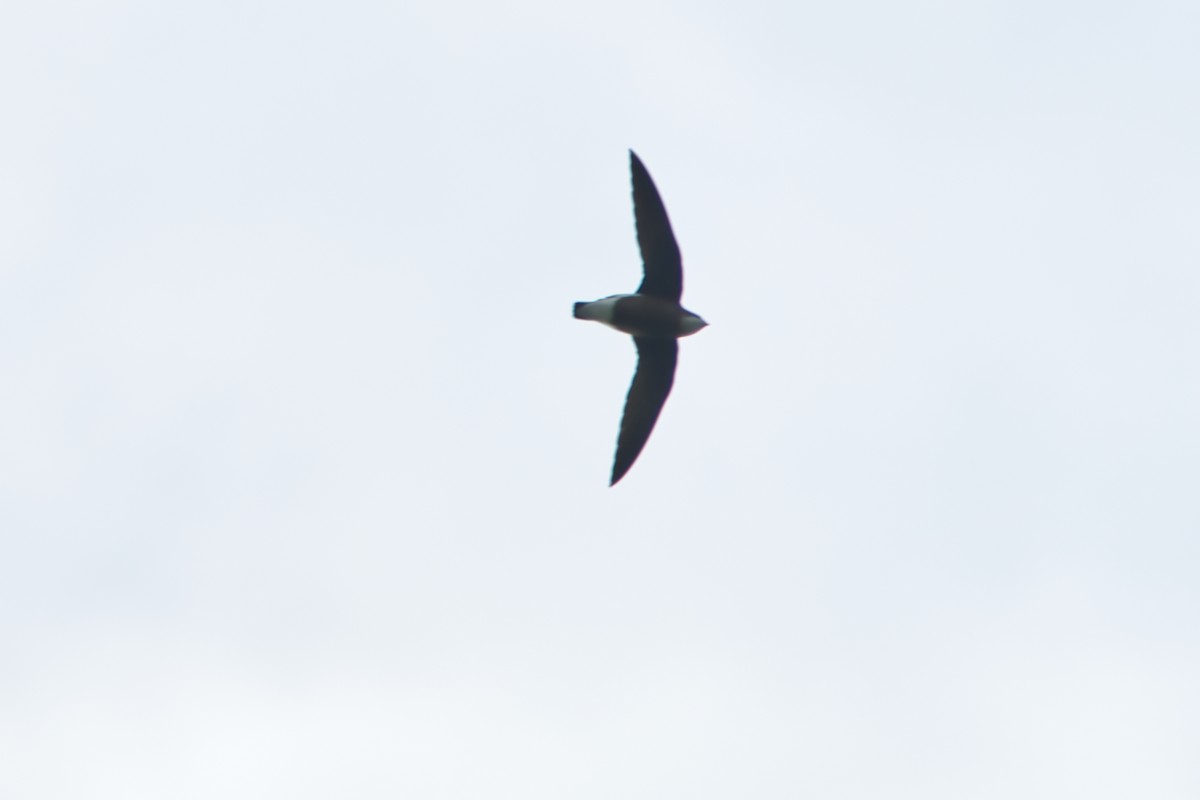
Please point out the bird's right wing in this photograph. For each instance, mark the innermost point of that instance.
(661, 262)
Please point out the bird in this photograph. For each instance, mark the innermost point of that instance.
(652, 316)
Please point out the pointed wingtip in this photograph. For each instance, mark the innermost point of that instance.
(640, 175)
(619, 471)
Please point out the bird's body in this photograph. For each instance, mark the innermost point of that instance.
(652, 315)
(641, 315)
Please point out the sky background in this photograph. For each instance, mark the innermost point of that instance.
(303, 460)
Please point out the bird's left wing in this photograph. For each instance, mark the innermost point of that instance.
(649, 390)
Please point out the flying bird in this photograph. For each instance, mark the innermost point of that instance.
(652, 315)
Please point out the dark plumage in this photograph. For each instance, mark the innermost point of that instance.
(653, 316)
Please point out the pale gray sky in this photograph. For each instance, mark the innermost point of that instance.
(303, 461)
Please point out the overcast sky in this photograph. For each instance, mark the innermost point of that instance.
(304, 462)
